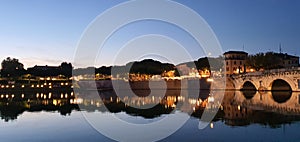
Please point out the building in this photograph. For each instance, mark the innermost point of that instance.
(287, 61)
(44, 70)
(235, 62)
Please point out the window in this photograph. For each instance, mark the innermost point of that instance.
(234, 62)
(298, 83)
(240, 62)
(227, 69)
(227, 63)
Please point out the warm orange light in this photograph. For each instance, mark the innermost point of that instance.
(239, 107)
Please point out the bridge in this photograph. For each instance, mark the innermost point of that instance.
(272, 80)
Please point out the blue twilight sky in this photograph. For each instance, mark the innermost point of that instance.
(47, 31)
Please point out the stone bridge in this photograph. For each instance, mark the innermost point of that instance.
(278, 80)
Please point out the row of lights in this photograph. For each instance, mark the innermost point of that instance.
(7, 96)
(32, 85)
(7, 86)
(38, 95)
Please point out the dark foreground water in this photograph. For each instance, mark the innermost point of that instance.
(65, 116)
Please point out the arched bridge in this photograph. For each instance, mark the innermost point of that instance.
(286, 80)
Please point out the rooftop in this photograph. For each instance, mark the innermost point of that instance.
(235, 52)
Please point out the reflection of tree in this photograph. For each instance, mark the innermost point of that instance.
(153, 112)
(11, 111)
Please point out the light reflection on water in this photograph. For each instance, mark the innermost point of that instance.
(271, 116)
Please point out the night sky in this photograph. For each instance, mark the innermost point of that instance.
(48, 31)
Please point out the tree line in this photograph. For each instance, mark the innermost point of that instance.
(12, 68)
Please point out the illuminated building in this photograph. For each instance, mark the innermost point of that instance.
(235, 62)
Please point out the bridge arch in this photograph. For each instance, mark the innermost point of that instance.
(248, 85)
(281, 96)
(280, 85)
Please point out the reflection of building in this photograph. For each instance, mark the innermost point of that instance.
(234, 114)
(235, 62)
(183, 69)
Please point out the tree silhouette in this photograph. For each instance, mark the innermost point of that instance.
(12, 68)
(66, 69)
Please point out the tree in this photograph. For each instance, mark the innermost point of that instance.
(66, 69)
(12, 68)
(266, 61)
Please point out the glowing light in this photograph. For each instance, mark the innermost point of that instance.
(210, 80)
(192, 101)
(237, 70)
(61, 84)
(13, 86)
(173, 106)
(6, 96)
(66, 83)
(50, 94)
(7, 86)
(61, 95)
(37, 86)
(2, 86)
(2, 96)
(32, 85)
(66, 95)
(79, 100)
(37, 95)
(42, 86)
(211, 125)
(239, 107)
(22, 95)
(50, 87)
(12, 95)
(45, 83)
(198, 103)
(23, 86)
(210, 99)
(55, 102)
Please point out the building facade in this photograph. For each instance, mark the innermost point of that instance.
(235, 62)
(288, 61)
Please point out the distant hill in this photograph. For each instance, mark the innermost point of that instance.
(147, 66)
(208, 63)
